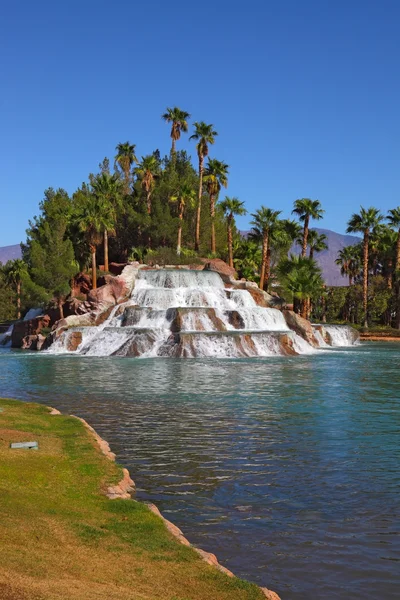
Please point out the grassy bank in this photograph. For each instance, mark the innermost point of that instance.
(62, 538)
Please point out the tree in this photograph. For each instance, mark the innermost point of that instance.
(349, 262)
(124, 159)
(179, 119)
(264, 220)
(107, 189)
(365, 222)
(185, 197)
(394, 221)
(216, 175)
(302, 278)
(316, 242)
(231, 208)
(14, 271)
(147, 171)
(205, 135)
(93, 219)
(307, 209)
(52, 262)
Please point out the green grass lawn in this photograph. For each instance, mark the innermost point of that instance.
(62, 538)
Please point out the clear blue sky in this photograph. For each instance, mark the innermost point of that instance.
(305, 96)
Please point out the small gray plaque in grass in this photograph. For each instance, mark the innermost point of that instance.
(26, 445)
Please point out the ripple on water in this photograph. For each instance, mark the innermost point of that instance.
(287, 469)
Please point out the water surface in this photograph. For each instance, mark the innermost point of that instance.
(287, 468)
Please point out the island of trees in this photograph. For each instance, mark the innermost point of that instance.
(165, 210)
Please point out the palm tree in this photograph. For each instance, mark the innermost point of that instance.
(365, 222)
(185, 197)
(232, 207)
(301, 277)
(13, 271)
(179, 119)
(307, 209)
(205, 134)
(93, 218)
(215, 176)
(316, 242)
(264, 221)
(107, 189)
(394, 221)
(348, 260)
(147, 171)
(124, 159)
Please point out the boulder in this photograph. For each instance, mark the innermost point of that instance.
(32, 342)
(23, 329)
(74, 339)
(301, 326)
(219, 266)
(117, 268)
(113, 292)
(81, 286)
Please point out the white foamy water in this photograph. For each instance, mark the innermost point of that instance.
(187, 313)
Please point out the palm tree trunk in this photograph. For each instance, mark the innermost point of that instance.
(304, 308)
(173, 151)
(350, 280)
(106, 250)
(230, 249)
(365, 276)
(305, 235)
(94, 268)
(148, 201)
(178, 246)
(212, 215)
(198, 216)
(60, 307)
(267, 266)
(263, 259)
(398, 252)
(311, 252)
(389, 277)
(18, 300)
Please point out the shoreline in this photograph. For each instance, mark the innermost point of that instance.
(123, 489)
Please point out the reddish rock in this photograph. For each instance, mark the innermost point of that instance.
(216, 264)
(301, 326)
(32, 342)
(74, 339)
(32, 327)
(82, 284)
(112, 293)
(117, 268)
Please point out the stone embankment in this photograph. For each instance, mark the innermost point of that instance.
(124, 489)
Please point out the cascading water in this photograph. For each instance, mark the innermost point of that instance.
(186, 313)
(340, 335)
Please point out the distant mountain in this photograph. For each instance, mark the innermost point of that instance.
(326, 259)
(10, 253)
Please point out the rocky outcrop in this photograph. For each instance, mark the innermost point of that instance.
(219, 266)
(74, 340)
(301, 326)
(28, 329)
(81, 286)
(33, 342)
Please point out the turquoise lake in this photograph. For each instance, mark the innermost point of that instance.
(288, 469)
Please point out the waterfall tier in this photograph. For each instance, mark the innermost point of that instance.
(186, 313)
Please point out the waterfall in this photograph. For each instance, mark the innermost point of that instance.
(186, 313)
(341, 335)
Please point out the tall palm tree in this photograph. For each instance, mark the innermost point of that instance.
(185, 198)
(394, 221)
(107, 189)
(93, 218)
(301, 277)
(365, 222)
(348, 260)
(179, 119)
(205, 135)
(13, 271)
(317, 242)
(264, 221)
(215, 176)
(231, 208)
(124, 159)
(307, 209)
(147, 171)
